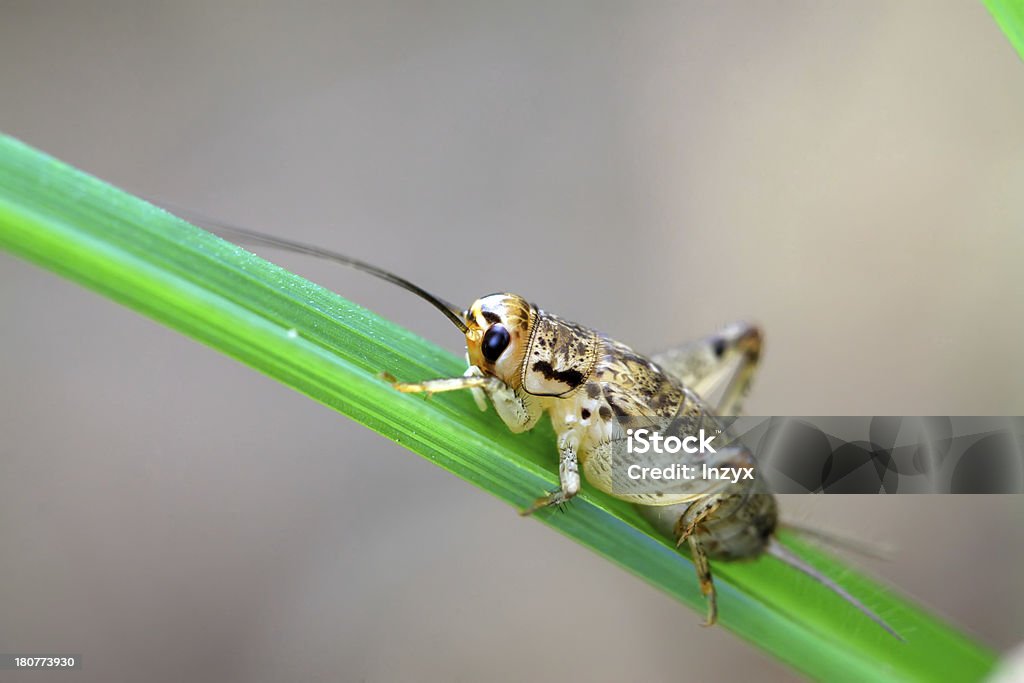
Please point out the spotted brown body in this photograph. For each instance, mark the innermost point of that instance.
(529, 363)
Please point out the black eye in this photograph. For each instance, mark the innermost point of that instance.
(495, 342)
(718, 347)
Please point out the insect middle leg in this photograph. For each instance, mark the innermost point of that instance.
(568, 475)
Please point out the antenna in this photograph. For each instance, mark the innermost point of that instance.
(249, 237)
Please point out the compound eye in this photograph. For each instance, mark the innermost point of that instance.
(718, 347)
(496, 340)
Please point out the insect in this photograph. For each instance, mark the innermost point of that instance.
(528, 363)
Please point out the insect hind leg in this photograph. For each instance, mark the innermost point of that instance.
(719, 368)
(686, 530)
(707, 583)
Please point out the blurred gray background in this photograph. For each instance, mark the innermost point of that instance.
(848, 174)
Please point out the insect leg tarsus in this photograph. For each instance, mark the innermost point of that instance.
(707, 583)
(436, 386)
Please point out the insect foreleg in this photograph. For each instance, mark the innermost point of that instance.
(519, 414)
(436, 386)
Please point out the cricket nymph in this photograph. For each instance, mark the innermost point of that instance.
(530, 363)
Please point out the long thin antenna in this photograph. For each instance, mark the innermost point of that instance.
(784, 554)
(241, 236)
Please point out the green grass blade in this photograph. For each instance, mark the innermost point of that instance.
(332, 350)
(1009, 14)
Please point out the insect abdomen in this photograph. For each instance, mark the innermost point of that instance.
(740, 528)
